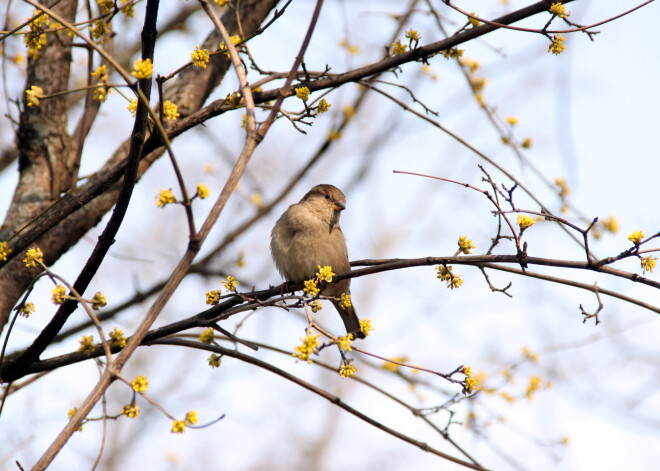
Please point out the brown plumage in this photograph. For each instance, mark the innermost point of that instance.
(308, 235)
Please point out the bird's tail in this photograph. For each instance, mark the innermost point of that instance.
(351, 320)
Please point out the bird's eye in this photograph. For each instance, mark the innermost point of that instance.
(327, 197)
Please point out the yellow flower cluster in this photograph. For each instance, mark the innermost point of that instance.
(100, 31)
(316, 305)
(164, 198)
(648, 263)
(413, 35)
(445, 274)
(557, 45)
(344, 343)
(213, 297)
(200, 57)
(58, 294)
(366, 327)
(207, 335)
(191, 418)
(398, 48)
(525, 221)
(140, 384)
(474, 22)
(132, 106)
(325, 273)
(305, 350)
(465, 245)
(203, 191)
(564, 189)
(35, 39)
(394, 367)
(345, 301)
(98, 301)
(86, 344)
(117, 338)
(178, 426)
(131, 411)
(636, 237)
(28, 309)
(230, 284)
(170, 110)
(302, 93)
(214, 360)
(311, 287)
(559, 10)
(142, 69)
(346, 370)
(323, 106)
(4, 251)
(34, 95)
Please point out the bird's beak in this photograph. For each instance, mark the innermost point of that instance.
(338, 206)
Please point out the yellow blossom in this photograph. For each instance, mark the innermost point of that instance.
(345, 301)
(101, 73)
(474, 21)
(117, 338)
(311, 287)
(72, 412)
(347, 370)
(164, 198)
(471, 64)
(100, 31)
(366, 327)
(394, 367)
(302, 93)
(100, 93)
(512, 120)
(528, 354)
(200, 57)
(34, 41)
(4, 251)
(334, 135)
(611, 224)
(58, 294)
(127, 8)
(648, 263)
(398, 48)
(131, 411)
(140, 384)
(465, 245)
(230, 284)
(222, 3)
(18, 59)
(413, 35)
(191, 417)
(86, 344)
(142, 69)
(325, 273)
(467, 371)
(456, 281)
(170, 110)
(525, 221)
(559, 10)
(533, 386)
(445, 274)
(132, 106)
(557, 45)
(478, 84)
(564, 189)
(636, 237)
(234, 40)
(316, 305)
(203, 191)
(566, 441)
(98, 301)
(257, 200)
(106, 5)
(349, 112)
(207, 335)
(470, 385)
(214, 360)
(344, 343)
(527, 143)
(213, 297)
(303, 351)
(323, 106)
(34, 95)
(507, 397)
(178, 426)
(26, 310)
(452, 53)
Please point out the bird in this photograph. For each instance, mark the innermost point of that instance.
(307, 236)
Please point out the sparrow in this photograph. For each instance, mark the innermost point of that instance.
(307, 236)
